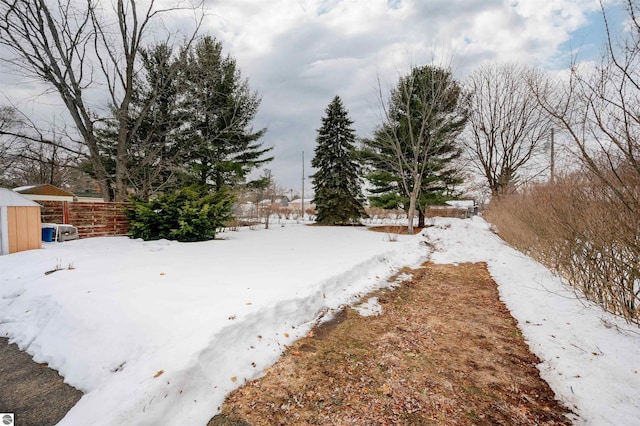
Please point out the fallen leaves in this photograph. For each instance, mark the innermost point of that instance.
(385, 389)
(158, 374)
(445, 352)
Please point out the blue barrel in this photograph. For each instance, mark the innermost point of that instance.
(47, 235)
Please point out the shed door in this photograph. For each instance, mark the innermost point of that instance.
(23, 228)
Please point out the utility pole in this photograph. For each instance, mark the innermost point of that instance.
(553, 159)
(302, 199)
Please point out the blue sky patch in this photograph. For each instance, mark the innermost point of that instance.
(394, 4)
(589, 40)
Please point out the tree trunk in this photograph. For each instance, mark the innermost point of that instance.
(121, 165)
(420, 218)
(412, 209)
(413, 201)
(99, 171)
(124, 133)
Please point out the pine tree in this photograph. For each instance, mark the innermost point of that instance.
(337, 183)
(411, 154)
(223, 146)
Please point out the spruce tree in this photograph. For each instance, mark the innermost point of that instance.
(337, 183)
(223, 146)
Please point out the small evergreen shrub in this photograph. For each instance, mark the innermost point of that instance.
(190, 214)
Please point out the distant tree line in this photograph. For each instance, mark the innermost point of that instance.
(176, 120)
(433, 127)
(179, 115)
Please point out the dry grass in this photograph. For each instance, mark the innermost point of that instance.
(444, 351)
(584, 231)
(395, 229)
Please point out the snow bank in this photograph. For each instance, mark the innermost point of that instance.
(159, 332)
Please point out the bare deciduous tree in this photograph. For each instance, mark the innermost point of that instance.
(51, 43)
(265, 196)
(423, 115)
(74, 47)
(118, 54)
(507, 126)
(31, 155)
(599, 109)
(8, 121)
(40, 163)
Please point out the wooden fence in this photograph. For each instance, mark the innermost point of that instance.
(91, 219)
(457, 212)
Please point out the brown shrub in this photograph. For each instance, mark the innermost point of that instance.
(581, 229)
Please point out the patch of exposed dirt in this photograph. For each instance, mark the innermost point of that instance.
(444, 351)
(395, 229)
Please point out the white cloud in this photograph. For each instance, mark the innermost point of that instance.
(298, 54)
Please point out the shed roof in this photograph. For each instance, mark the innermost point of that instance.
(44, 189)
(11, 198)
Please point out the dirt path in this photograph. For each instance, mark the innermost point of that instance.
(444, 351)
(35, 393)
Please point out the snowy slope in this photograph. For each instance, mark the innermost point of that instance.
(159, 332)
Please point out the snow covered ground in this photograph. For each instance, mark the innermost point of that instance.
(159, 332)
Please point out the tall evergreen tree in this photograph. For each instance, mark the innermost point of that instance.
(192, 113)
(223, 147)
(337, 183)
(387, 191)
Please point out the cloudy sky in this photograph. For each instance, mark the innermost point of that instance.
(299, 54)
